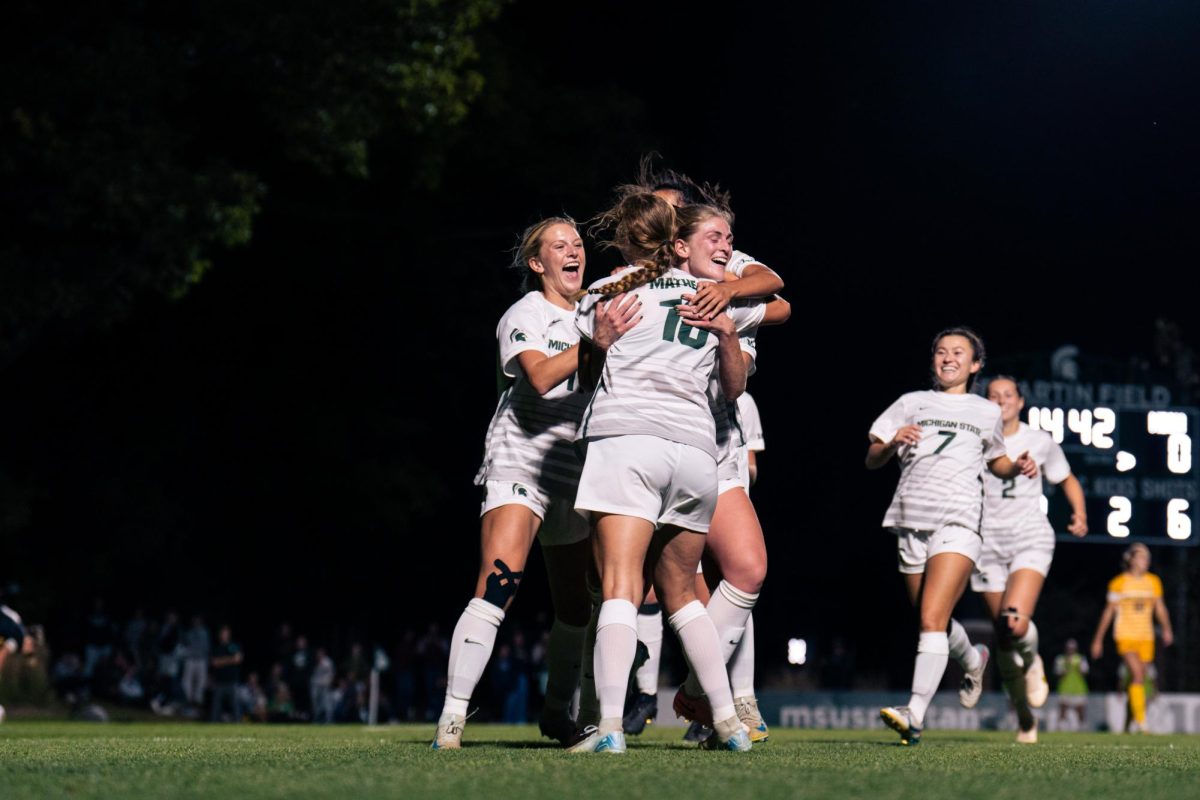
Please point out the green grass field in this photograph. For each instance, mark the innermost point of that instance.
(46, 759)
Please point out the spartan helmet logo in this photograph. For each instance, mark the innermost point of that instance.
(519, 489)
(516, 336)
(1063, 364)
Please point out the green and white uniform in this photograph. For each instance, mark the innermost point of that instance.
(938, 504)
(655, 383)
(1016, 533)
(529, 455)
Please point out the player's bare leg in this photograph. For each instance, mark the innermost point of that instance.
(1017, 660)
(735, 543)
(675, 580)
(935, 592)
(507, 533)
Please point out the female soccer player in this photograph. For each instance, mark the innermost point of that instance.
(944, 438)
(736, 537)
(529, 476)
(649, 480)
(1018, 545)
(735, 548)
(1135, 600)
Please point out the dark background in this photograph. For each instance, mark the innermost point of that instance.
(295, 437)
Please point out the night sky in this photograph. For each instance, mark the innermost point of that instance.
(296, 438)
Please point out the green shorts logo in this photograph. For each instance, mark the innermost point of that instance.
(519, 489)
(516, 336)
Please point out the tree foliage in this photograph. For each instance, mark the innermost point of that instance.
(139, 139)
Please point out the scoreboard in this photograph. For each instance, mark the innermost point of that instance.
(1128, 438)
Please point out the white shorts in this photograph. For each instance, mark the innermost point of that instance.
(665, 482)
(1004, 553)
(560, 523)
(917, 547)
(733, 471)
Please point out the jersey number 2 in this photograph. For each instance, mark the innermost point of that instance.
(675, 330)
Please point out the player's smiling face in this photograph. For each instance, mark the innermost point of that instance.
(560, 260)
(1003, 393)
(708, 250)
(954, 363)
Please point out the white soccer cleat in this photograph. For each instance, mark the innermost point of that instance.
(900, 719)
(972, 681)
(593, 741)
(739, 742)
(449, 732)
(748, 713)
(1029, 736)
(1037, 690)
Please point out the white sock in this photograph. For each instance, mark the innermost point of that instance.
(564, 654)
(728, 608)
(470, 648)
(650, 633)
(741, 666)
(933, 652)
(698, 636)
(1027, 645)
(960, 647)
(616, 646)
(589, 702)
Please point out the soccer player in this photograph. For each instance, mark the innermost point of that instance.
(649, 479)
(944, 438)
(529, 476)
(1018, 546)
(735, 550)
(735, 543)
(1135, 601)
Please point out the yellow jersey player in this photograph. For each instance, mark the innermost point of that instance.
(1135, 601)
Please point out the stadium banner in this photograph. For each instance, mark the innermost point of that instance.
(1165, 713)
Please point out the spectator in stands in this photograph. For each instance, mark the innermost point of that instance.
(226, 664)
(300, 667)
(321, 685)
(196, 646)
(98, 638)
(404, 664)
(253, 699)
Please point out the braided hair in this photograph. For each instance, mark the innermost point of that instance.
(643, 229)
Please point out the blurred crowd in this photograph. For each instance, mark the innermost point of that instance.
(194, 670)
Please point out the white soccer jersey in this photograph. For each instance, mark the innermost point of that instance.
(752, 430)
(1015, 504)
(655, 378)
(727, 416)
(531, 436)
(941, 477)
